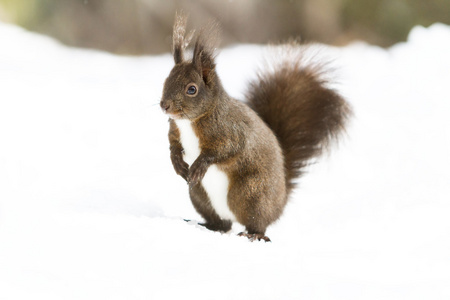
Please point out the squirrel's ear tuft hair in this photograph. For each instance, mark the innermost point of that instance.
(180, 42)
(205, 50)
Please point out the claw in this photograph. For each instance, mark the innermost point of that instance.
(255, 236)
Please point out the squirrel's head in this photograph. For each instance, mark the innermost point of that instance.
(192, 87)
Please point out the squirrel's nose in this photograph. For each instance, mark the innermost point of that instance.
(165, 106)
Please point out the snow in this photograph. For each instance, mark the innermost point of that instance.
(90, 207)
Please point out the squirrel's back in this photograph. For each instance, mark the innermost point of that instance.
(294, 100)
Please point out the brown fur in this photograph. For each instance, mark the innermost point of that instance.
(260, 155)
(303, 113)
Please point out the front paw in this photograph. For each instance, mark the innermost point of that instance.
(196, 172)
(180, 166)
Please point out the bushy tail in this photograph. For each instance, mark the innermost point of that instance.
(294, 101)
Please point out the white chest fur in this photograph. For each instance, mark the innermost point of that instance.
(215, 181)
(189, 141)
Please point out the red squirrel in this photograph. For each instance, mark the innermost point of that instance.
(239, 159)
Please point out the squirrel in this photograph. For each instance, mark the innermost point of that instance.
(241, 159)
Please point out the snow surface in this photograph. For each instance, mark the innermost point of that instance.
(90, 207)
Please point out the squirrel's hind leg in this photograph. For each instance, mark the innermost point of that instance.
(255, 231)
(203, 206)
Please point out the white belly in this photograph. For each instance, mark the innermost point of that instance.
(215, 181)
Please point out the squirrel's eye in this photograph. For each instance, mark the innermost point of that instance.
(191, 90)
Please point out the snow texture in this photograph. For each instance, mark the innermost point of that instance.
(90, 207)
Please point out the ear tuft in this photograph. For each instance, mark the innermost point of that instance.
(205, 50)
(180, 42)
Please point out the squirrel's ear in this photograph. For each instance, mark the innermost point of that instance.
(204, 51)
(180, 42)
(204, 63)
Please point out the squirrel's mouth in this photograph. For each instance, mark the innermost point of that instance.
(173, 113)
(174, 116)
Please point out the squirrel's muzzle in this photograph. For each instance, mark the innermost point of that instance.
(165, 106)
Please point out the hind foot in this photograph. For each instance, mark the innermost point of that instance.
(255, 236)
